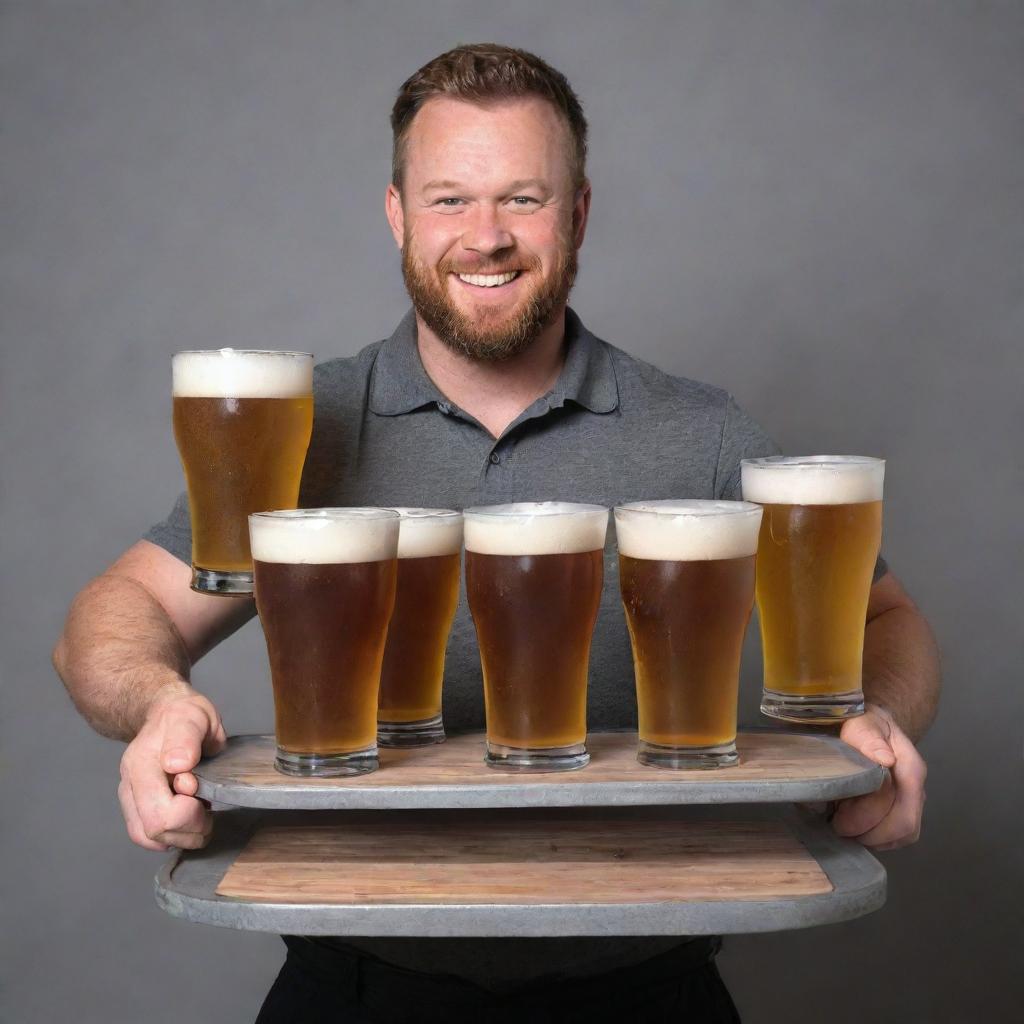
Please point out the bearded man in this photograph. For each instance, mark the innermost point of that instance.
(490, 390)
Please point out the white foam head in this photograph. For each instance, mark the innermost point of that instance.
(687, 531)
(322, 536)
(536, 528)
(234, 373)
(426, 532)
(813, 479)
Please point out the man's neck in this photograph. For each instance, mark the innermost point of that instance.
(494, 393)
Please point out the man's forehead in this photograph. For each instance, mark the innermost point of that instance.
(451, 133)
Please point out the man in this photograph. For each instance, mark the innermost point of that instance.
(491, 391)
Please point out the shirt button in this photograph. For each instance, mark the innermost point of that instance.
(495, 458)
(444, 407)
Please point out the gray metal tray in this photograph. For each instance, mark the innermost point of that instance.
(186, 886)
(775, 767)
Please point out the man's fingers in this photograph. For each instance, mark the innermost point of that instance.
(159, 809)
(186, 784)
(132, 822)
(902, 825)
(861, 814)
(192, 840)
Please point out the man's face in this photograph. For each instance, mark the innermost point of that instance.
(488, 221)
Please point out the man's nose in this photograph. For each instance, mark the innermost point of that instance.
(485, 232)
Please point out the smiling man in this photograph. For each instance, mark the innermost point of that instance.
(490, 390)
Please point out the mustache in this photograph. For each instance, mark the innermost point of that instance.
(449, 266)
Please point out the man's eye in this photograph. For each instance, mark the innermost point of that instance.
(524, 201)
(448, 202)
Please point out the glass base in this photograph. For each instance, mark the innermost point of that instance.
(230, 584)
(411, 734)
(658, 755)
(812, 708)
(536, 759)
(324, 766)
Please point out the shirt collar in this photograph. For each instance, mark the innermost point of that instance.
(400, 384)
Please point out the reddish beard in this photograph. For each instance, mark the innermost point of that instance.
(480, 337)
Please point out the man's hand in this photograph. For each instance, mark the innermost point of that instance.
(890, 817)
(157, 790)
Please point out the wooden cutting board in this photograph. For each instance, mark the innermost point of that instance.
(491, 860)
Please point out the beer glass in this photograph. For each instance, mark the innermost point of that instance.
(242, 421)
(325, 588)
(686, 572)
(533, 580)
(820, 537)
(409, 707)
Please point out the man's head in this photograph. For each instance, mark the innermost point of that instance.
(489, 197)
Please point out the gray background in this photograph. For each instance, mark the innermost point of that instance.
(815, 204)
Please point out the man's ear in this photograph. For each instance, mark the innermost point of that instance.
(395, 214)
(580, 213)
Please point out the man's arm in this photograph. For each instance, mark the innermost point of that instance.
(901, 693)
(125, 656)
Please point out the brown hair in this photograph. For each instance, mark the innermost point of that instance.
(482, 72)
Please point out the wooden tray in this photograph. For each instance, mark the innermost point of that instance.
(623, 871)
(775, 767)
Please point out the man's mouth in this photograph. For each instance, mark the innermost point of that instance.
(489, 280)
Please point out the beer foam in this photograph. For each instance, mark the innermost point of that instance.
(813, 480)
(324, 536)
(536, 528)
(426, 532)
(232, 373)
(687, 531)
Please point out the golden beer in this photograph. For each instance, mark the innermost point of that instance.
(820, 537)
(429, 560)
(534, 573)
(325, 589)
(242, 422)
(686, 573)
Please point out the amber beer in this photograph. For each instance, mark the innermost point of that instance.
(533, 580)
(242, 421)
(429, 560)
(686, 573)
(820, 537)
(325, 589)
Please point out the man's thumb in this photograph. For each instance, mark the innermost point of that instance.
(182, 744)
(870, 738)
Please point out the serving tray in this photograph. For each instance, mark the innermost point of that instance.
(620, 871)
(775, 767)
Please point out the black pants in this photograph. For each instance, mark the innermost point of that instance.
(326, 986)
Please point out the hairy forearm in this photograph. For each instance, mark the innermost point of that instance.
(119, 652)
(901, 668)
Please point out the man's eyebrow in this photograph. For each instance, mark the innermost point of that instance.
(442, 184)
(521, 183)
(512, 186)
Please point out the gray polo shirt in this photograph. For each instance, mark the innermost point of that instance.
(612, 429)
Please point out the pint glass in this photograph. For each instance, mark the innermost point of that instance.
(242, 421)
(820, 536)
(409, 707)
(533, 580)
(686, 572)
(325, 589)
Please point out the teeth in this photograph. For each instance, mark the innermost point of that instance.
(489, 280)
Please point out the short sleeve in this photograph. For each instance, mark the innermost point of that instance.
(742, 438)
(174, 534)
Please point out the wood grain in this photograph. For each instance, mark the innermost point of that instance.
(494, 860)
(764, 757)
